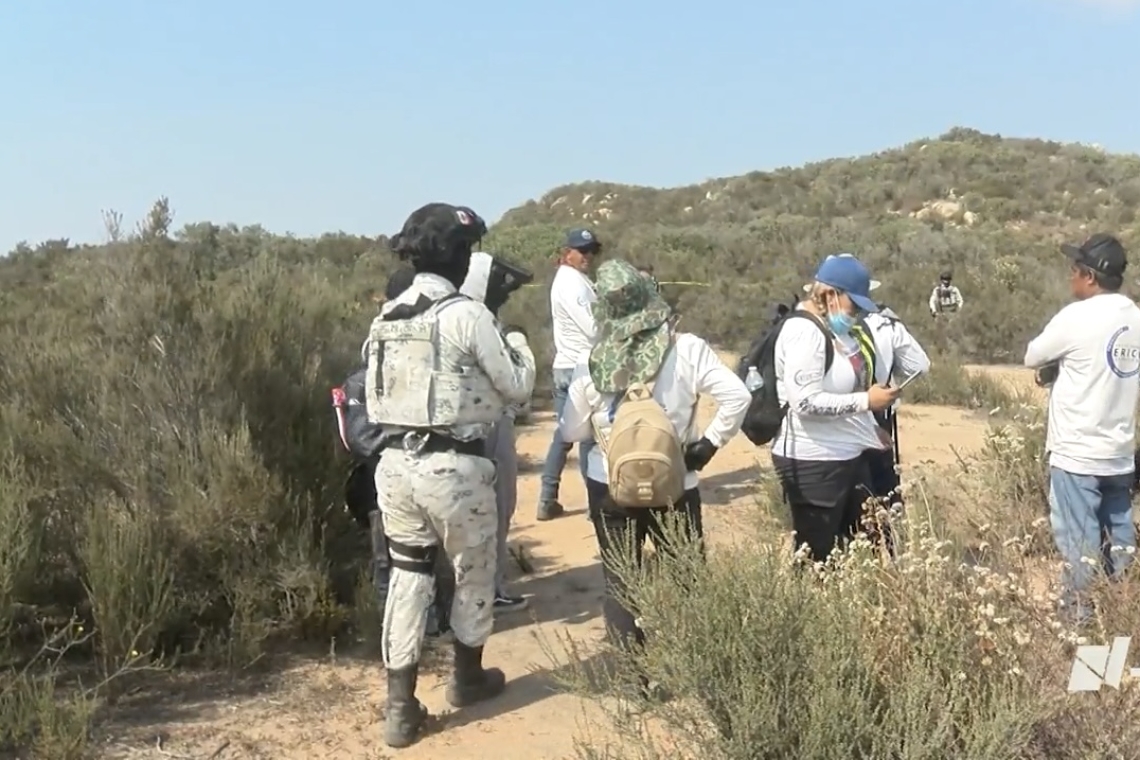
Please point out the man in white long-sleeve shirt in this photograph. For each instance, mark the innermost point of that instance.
(1090, 352)
(572, 298)
(900, 356)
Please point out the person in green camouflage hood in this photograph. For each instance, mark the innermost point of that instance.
(637, 342)
(634, 332)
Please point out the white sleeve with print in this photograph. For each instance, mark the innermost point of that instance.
(828, 414)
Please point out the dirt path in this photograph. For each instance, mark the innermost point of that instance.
(331, 707)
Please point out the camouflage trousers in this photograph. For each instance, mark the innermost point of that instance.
(445, 500)
(381, 566)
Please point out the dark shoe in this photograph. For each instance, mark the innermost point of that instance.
(471, 682)
(405, 715)
(508, 603)
(439, 634)
(548, 510)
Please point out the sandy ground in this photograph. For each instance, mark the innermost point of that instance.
(331, 706)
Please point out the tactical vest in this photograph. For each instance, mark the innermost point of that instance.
(406, 386)
(946, 300)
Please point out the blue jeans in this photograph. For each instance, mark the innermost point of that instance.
(1090, 515)
(556, 454)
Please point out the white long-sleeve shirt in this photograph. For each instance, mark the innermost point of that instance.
(900, 354)
(829, 418)
(572, 296)
(475, 286)
(1092, 404)
(691, 369)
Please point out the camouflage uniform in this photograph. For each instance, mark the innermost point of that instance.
(448, 498)
(434, 497)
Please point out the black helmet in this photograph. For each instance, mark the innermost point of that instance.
(438, 233)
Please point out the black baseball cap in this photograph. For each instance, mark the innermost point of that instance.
(1102, 253)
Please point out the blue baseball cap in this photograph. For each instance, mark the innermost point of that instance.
(846, 273)
(584, 240)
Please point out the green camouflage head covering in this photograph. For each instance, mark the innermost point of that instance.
(633, 328)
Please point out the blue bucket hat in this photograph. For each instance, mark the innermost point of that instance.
(846, 273)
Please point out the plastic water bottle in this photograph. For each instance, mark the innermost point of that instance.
(753, 382)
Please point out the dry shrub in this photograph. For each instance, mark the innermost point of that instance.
(170, 470)
(947, 652)
(948, 384)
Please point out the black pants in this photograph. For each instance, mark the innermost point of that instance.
(825, 499)
(884, 479)
(614, 528)
(885, 486)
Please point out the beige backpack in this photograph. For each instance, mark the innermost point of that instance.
(644, 455)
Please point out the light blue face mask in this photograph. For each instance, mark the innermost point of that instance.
(840, 324)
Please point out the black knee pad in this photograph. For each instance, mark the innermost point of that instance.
(414, 559)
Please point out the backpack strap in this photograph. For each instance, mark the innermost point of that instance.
(828, 337)
(421, 305)
(407, 311)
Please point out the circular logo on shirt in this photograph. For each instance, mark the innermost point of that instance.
(1123, 360)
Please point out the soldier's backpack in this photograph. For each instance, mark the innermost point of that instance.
(765, 413)
(645, 459)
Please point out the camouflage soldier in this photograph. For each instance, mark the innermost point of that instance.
(946, 298)
(440, 375)
(362, 483)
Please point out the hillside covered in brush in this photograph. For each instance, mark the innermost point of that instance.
(992, 209)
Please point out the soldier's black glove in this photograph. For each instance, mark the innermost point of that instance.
(1047, 375)
(698, 454)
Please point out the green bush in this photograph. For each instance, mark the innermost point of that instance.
(171, 469)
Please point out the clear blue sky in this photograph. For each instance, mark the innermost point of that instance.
(309, 117)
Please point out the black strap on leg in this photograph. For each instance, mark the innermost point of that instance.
(414, 559)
